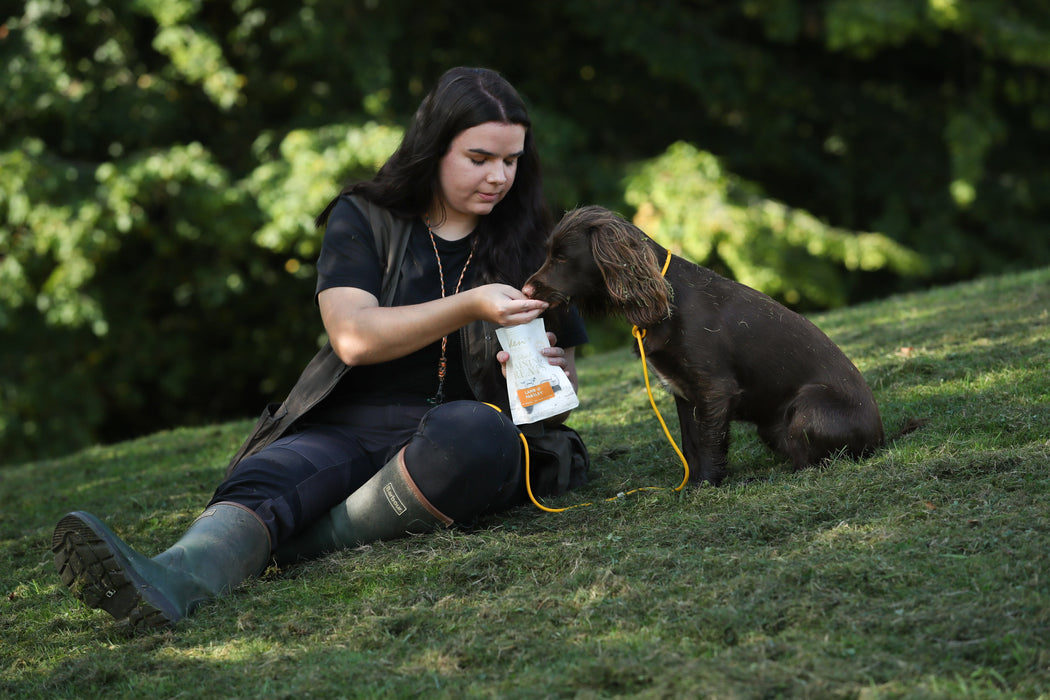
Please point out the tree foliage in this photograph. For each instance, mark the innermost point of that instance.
(161, 162)
(685, 199)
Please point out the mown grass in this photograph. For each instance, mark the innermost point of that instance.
(923, 571)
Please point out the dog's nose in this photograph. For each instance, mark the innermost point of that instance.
(528, 290)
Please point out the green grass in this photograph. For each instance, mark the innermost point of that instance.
(923, 571)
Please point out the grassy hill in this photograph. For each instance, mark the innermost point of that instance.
(923, 571)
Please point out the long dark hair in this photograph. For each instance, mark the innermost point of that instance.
(511, 237)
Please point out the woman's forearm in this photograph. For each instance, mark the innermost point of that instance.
(363, 333)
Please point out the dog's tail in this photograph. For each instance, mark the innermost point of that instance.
(907, 427)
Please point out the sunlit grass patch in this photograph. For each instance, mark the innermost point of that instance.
(922, 570)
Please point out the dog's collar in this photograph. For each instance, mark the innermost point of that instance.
(637, 332)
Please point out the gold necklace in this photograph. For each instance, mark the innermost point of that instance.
(439, 397)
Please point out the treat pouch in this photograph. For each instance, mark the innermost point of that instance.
(537, 389)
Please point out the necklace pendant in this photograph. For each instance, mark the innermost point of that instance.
(439, 397)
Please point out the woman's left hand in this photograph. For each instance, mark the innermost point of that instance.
(559, 357)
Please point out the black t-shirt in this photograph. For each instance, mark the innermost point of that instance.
(349, 259)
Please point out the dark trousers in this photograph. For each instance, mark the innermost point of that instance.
(465, 457)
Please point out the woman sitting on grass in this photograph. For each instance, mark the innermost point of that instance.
(417, 268)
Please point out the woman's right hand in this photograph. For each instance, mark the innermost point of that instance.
(506, 306)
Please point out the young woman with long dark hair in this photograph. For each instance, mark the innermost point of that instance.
(395, 426)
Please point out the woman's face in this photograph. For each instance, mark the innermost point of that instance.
(475, 174)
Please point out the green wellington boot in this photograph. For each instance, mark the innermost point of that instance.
(226, 544)
(388, 506)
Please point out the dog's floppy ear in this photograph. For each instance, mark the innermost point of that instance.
(632, 274)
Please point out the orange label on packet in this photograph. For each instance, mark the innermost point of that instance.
(534, 394)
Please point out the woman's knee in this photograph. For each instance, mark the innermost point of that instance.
(463, 456)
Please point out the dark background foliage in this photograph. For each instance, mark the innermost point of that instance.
(161, 161)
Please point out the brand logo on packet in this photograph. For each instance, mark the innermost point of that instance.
(530, 396)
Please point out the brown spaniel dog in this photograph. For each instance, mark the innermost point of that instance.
(728, 352)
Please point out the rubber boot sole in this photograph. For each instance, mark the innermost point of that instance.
(95, 570)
